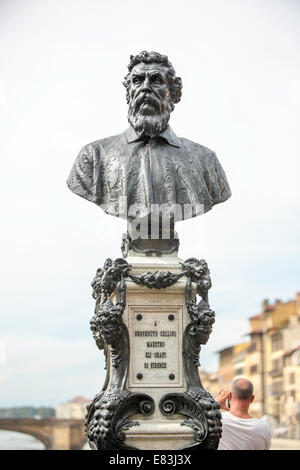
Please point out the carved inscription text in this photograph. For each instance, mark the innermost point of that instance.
(155, 335)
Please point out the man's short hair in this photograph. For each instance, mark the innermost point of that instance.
(242, 389)
(145, 57)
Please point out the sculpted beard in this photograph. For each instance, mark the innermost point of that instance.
(149, 115)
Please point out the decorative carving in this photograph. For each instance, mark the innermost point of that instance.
(156, 280)
(197, 271)
(211, 410)
(183, 404)
(106, 324)
(201, 315)
(108, 414)
(107, 278)
(202, 320)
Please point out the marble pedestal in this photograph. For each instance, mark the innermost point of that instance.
(150, 324)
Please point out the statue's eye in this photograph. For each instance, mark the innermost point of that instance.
(137, 80)
(157, 80)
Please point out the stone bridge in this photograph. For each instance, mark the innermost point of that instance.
(56, 434)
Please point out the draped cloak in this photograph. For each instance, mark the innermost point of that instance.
(126, 175)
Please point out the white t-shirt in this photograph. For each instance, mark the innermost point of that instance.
(244, 434)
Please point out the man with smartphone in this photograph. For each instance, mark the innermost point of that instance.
(241, 431)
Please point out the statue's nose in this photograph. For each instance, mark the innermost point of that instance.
(146, 84)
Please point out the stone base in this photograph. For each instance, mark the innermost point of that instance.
(157, 431)
(160, 435)
(150, 324)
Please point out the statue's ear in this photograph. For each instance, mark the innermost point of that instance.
(176, 90)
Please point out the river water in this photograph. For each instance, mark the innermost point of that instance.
(10, 440)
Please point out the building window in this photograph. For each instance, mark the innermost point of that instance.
(239, 371)
(252, 347)
(276, 365)
(276, 411)
(292, 378)
(277, 389)
(253, 369)
(276, 341)
(287, 361)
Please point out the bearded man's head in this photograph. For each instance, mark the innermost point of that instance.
(152, 92)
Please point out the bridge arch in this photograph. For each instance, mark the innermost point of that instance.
(15, 427)
(54, 433)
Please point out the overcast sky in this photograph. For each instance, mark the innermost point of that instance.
(62, 65)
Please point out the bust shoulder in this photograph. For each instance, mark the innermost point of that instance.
(198, 151)
(106, 142)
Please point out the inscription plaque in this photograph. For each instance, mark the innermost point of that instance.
(156, 346)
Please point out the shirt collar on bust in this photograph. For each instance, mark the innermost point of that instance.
(167, 135)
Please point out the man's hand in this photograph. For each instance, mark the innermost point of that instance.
(222, 396)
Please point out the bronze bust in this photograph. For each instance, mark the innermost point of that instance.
(130, 175)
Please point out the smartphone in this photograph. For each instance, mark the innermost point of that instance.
(227, 402)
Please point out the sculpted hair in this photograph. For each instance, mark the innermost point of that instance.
(242, 389)
(175, 83)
